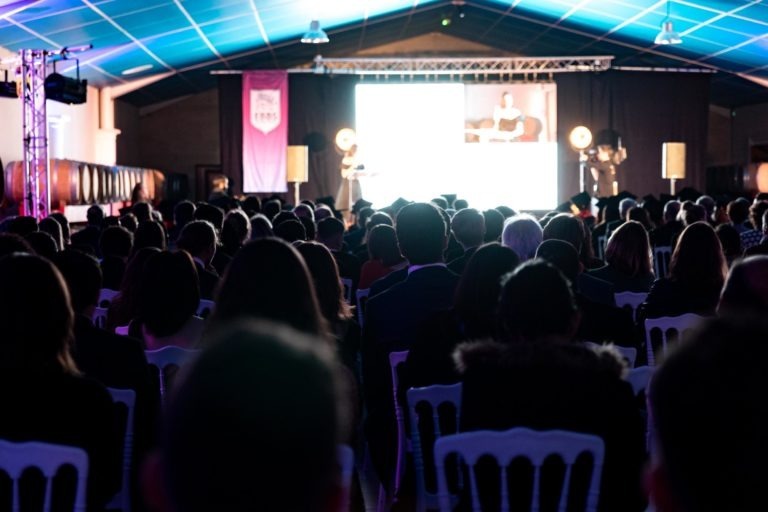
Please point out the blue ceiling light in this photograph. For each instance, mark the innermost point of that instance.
(315, 34)
(668, 34)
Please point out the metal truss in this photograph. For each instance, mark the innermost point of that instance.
(509, 66)
(37, 197)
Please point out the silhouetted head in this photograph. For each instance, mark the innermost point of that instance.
(567, 228)
(150, 234)
(698, 257)
(325, 274)
(169, 293)
(421, 233)
(42, 243)
(746, 287)
(523, 234)
(83, 277)
(116, 241)
(382, 245)
(198, 238)
(468, 227)
(211, 213)
(629, 250)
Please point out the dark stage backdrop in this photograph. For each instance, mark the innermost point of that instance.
(646, 109)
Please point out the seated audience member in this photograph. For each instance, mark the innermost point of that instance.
(762, 247)
(304, 210)
(271, 208)
(696, 274)
(600, 321)
(183, 213)
(691, 212)
(362, 253)
(468, 227)
(143, 211)
(330, 233)
(355, 235)
(88, 238)
(22, 225)
(607, 214)
(730, 240)
(523, 234)
(261, 227)
(393, 319)
(251, 205)
(709, 411)
(639, 214)
(738, 213)
(384, 254)
(323, 211)
(215, 216)
(472, 317)
(627, 202)
(663, 235)
(752, 237)
(494, 225)
(42, 395)
(11, 243)
(198, 238)
(42, 243)
(746, 288)
(150, 234)
(236, 231)
(309, 228)
(284, 216)
(291, 230)
(115, 361)
(709, 206)
(53, 228)
(169, 294)
(568, 228)
(269, 279)
(536, 377)
(129, 222)
(115, 245)
(629, 260)
(125, 305)
(265, 393)
(64, 223)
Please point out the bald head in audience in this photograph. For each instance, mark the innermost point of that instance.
(746, 287)
(253, 426)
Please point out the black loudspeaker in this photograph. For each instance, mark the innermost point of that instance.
(176, 187)
(725, 180)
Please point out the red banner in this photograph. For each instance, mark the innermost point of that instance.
(265, 130)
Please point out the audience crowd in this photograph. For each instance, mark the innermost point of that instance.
(291, 356)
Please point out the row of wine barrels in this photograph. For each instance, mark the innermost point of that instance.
(84, 183)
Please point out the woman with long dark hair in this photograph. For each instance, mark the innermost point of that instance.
(696, 276)
(629, 260)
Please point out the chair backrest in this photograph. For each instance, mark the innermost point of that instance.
(106, 296)
(639, 378)
(665, 324)
(346, 457)
(347, 284)
(99, 317)
(506, 446)
(435, 396)
(204, 308)
(164, 357)
(631, 300)
(395, 360)
(362, 298)
(127, 397)
(48, 458)
(661, 257)
(122, 330)
(601, 242)
(628, 353)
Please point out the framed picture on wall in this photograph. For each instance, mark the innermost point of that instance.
(205, 177)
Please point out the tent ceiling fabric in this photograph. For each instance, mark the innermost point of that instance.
(192, 37)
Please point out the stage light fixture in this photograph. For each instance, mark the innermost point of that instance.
(65, 89)
(580, 138)
(315, 34)
(667, 35)
(345, 139)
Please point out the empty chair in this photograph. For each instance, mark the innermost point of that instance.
(520, 442)
(15, 458)
(346, 457)
(347, 284)
(628, 353)
(99, 317)
(205, 308)
(678, 324)
(126, 397)
(105, 297)
(395, 360)
(362, 298)
(631, 300)
(165, 357)
(435, 396)
(661, 257)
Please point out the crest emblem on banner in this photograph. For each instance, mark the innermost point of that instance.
(265, 109)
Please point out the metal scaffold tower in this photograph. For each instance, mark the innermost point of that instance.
(37, 198)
